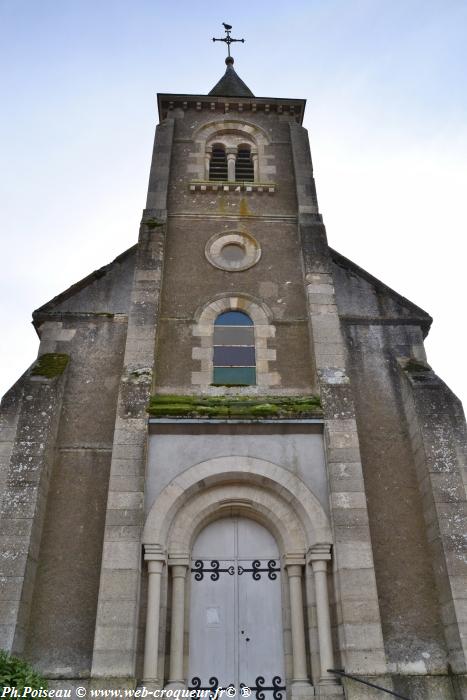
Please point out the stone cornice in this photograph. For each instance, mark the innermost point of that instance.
(167, 102)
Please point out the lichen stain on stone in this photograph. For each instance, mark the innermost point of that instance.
(50, 365)
(140, 375)
(10, 555)
(244, 209)
(221, 202)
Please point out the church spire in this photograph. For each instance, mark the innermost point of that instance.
(230, 85)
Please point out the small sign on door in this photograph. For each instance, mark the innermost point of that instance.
(213, 618)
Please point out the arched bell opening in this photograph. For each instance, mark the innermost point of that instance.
(244, 168)
(218, 162)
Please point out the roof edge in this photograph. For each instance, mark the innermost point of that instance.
(83, 283)
(341, 260)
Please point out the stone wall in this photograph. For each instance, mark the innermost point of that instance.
(412, 439)
(57, 433)
(412, 628)
(61, 630)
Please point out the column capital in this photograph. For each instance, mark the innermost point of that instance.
(294, 570)
(179, 559)
(319, 565)
(154, 552)
(319, 552)
(178, 566)
(155, 566)
(293, 559)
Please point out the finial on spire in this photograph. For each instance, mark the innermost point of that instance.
(228, 40)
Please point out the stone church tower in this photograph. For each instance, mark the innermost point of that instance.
(231, 462)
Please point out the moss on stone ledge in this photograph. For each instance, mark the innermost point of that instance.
(167, 405)
(153, 223)
(413, 365)
(50, 365)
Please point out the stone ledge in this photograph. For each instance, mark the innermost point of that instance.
(188, 406)
(220, 186)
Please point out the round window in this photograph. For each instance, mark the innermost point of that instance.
(234, 251)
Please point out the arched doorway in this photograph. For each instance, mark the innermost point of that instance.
(236, 627)
(262, 491)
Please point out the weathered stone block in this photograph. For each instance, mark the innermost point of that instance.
(114, 637)
(354, 555)
(121, 555)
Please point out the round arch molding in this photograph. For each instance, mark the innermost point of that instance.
(236, 499)
(259, 489)
(231, 126)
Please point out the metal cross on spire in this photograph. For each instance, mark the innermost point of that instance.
(228, 39)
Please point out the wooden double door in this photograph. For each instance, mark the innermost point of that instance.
(236, 629)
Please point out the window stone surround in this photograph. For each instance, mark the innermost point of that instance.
(251, 247)
(230, 133)
(264, 330)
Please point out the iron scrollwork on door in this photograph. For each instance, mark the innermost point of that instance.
(196, 684)
(271, 570)
(259, 688)
(199, 570)
(213, 686)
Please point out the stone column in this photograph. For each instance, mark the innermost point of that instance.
(178, 571)
(231, 157)
(300, 676)
(319, 556)
(254, 157)
(151, 645)
(207, 162)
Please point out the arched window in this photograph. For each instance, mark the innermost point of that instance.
(244, 170)
(218, 163)
(234, 358)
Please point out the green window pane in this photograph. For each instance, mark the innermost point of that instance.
(234, 375)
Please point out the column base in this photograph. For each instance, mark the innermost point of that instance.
(329, 690)
(301, 690)
(151, 684)
(175, 685)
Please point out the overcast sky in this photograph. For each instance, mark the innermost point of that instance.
(385, 83)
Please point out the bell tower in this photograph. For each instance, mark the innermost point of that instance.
(232, 244)
(237, 348)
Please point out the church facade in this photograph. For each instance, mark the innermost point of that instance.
(231, 464)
